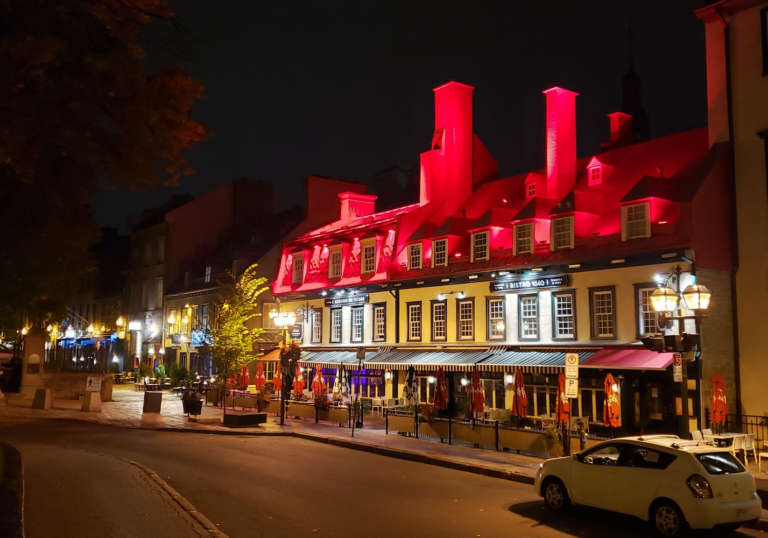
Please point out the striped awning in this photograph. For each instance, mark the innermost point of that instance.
(452, 361)
(537, 361)
(328, 359)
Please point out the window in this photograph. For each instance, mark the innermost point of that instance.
(465, 329)
(562, 233)
(145, 295)
(160, 249)
(564, 315)
(357, 324)
(174, 327)
(159, 293)
(496, 326)
(595, 175)
(414, 322)
(764, 38)
(440, 252)
(426, 390)
(270, 367)
(531, 190)
(235, 267)
(336, 326)
(317, 326)
(266, 321)
(591, 404)
(602, 455)
(334, 268)
(439, 320)
(647, 318)
(603, 313)
(369, 257)
(645, 458)
(204, 317)
(524, 238)
(493, 390)
(636, 221)
(480, 246)
(297, 276)
(208, 273)
(379, 322)
(720, 463)
(414, 256)
(529, 317)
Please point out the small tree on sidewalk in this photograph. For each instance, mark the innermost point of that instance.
(230, 342)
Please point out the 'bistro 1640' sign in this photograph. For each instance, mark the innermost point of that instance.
(531, 283)
(347, 300)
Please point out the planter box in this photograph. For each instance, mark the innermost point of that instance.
(298, 410)
(245, 401)
(240, 419)
(481, 435)
(336, 416)
(434, 429)
(401, 424)
(273, 407)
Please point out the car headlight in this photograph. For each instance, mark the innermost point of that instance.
(699, 487)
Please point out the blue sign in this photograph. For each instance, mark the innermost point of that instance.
(198, 338)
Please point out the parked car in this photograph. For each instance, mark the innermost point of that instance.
(668, 481)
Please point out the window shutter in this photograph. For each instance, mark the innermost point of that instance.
(623, 223)
(514, 240)
(472, 248)
(573, 231)
(647, 219)
(552, 227)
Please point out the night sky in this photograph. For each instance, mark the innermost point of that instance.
(344, 88)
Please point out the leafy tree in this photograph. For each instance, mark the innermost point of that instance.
(230, 342)
(78, 105)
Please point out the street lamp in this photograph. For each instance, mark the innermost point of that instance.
(697, 297)
(282, 320)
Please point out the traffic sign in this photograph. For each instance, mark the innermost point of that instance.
(93, 384)
(571, 388)
(677, 368)
(572, 366)
(361, 353)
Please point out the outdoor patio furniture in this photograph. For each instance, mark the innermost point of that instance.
(708, 431)
(376, 403)
(738, 445)
(760, 457)
(697, 435)
(749, 444)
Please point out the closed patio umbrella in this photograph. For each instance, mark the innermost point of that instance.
(719, 401)
(411, 388)
(319, 385)
(563, 407)
(298, 382)
(344, 383)
(259, 379)
(610, 403)
(277, 381)
(476, 396)
(245, 378)
(520, 401)
(441, 391)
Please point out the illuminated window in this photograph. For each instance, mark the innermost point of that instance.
(334, 268)
(529, 317)
(270, 367)
(562, 233)
(414, 256)
(159, 293)
(317, 326)
(496, 328)
(440, 252)
(647, 318)
(531, 190)
(524, 238)
(480, 246)
(466, 310)
(357, 324)
(369, 257)
(414, 321)
(563, 315)
(603, 313)
(297, 277)
(208, 274)
(379, 322)
(636, 221)
(336, 326)
(595, 175)
(439, 320)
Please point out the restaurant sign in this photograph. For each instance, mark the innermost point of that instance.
(531, 283)
(297, 331)
(347, 300)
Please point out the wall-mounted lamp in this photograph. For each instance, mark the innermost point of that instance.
(509, 379)
(387, 375)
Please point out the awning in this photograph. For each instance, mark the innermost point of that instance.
(628, 359)
(329, 359)
(537, 361)
(272, 356)
(452, 361)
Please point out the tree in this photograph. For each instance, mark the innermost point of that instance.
(230, 342)
(77, 106)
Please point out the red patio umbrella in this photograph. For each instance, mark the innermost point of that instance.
(476, 396)
(298, 382)
(441, 391)
(259, 380)
(520, 401)
(245, 378)
(277, 381)
(319, 385)
(610, 403)
(136, 363)
(719, 401)
(563, 407)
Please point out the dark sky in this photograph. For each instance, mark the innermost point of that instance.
(344, 88)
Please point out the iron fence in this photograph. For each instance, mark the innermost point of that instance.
(748, 424)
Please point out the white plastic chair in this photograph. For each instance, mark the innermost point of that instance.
(376, 404)
(737, 446)
(708, 431)
(749, 444)
(697, 435)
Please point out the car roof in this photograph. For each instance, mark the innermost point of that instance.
(673, 442)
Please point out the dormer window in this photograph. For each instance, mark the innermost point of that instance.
(297, 275)
(479, 246)
(369, 256)
(208, 274)
(334, 265)
(562, 233)
(636, 221)
(595, 175)
(440, 252)
(524, 238)
(414, 256)
(531, 190)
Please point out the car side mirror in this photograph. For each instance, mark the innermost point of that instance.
(576, 457)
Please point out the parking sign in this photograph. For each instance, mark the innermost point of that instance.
(571, 388)
(572, 366)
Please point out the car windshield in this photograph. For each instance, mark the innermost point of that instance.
(720, 463)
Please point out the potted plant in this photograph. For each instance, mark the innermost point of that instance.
(553, 439)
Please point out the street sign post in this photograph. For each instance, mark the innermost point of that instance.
(677, 368)
(571, 388)
(93, 384)
(572, 366)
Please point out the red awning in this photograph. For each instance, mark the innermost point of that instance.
(628, 359)
(273, 356)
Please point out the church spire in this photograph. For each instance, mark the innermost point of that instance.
(631, 97)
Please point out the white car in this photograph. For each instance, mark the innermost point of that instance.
(663, 479)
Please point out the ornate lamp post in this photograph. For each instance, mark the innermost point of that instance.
(283, 320)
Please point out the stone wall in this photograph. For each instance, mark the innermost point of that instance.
(69, 385)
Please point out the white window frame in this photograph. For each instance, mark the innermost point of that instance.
(496, 315)
(596, 174)
(486, 246)
(297, 269)
(367, 247)
(379, 322)
(317, 326)
(415, 256)
(518, 229)
(440, 321)
(335, 334)
(628, 218)
(414, 322)
(335, 270)
(208, 270)
(442, 252)
(646, 315)
(603, 313)
(564, 313)
(357, 324)
(529, 314)
(465, 315)
(530, 190)
(565, 237)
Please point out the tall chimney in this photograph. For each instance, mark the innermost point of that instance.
(561, 142)
(354, 205)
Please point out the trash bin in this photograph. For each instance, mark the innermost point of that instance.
(153, 400)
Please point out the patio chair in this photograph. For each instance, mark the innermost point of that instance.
(708, 431)
(761, 455)
(737, 446)
(697, 435)
(749, 444)
(377, 404)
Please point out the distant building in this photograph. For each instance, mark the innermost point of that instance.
(396, 186)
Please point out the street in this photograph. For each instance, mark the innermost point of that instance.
(271, 487)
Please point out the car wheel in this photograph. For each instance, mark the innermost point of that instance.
(668, 519)
(556, 496)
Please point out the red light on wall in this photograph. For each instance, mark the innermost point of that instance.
(458, 254)
(504, 200)
(662, 222)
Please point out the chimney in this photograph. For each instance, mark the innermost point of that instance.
(561, 142)
(621, 131)
(446, 170)
(354, 205)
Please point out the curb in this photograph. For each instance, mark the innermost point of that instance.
(181, 501)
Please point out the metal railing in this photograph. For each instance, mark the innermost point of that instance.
(748, 424)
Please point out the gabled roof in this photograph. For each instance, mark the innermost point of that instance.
(652, 187)
(578, 202)
(495, 216)
(453, 226)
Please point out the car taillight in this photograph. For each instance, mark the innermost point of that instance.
(699, 487)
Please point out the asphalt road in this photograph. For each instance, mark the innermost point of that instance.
(285, 487)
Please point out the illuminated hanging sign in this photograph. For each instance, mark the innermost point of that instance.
(347, 300)
(531, 283)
